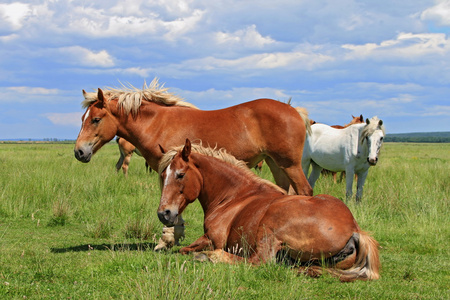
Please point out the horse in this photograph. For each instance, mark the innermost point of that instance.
(152, 116)
(247, 218)
(353, 150)
(126, 150)
(355, 120)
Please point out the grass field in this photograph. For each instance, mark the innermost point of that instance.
(80, 231)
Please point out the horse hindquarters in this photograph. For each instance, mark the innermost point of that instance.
(365, 266)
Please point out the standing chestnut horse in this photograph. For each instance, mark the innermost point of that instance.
(252, 131)
(246, 216)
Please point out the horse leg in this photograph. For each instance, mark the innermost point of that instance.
(280, 177)
(360, 184)
(171, 235)
(200, 244)
(120, 162)
(126, 163)
(315, 174)
(349, 173)
(266, 250)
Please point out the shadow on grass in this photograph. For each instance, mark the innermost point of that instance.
(108, 247)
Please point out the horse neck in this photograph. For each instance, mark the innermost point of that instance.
(223, 183)
(362, 144)
(132, 128)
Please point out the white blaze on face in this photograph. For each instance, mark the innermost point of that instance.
(375, 144)
(84, 119)
(169, 173)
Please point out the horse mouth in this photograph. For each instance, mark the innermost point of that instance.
(83, 159)
(168, 218)
(83, 155)
(372, 162)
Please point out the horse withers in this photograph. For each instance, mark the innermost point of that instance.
(249, 218)
(353, 150)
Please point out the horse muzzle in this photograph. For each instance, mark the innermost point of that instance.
(83, 154)
(168, 217)
(372, 161)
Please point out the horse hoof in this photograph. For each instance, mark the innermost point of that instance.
(202, 257)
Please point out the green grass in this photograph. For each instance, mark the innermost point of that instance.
(75, 231)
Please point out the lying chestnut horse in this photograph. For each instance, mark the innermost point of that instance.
(248, 217)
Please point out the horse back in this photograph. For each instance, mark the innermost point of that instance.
(332, 148)
(247, 131)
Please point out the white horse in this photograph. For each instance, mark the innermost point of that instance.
(353, 150)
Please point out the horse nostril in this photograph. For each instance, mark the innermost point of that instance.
(166, 214)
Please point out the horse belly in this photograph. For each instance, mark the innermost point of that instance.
(331, 160)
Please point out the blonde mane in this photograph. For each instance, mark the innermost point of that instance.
(130, 98)
(371, 127)
(220, 154)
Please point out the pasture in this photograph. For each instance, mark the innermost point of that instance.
(73, 230)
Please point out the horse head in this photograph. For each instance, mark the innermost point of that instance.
(98, 126)
(373, 133)
(181, 183)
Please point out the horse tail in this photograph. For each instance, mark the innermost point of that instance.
(304, 114)
(366, 265)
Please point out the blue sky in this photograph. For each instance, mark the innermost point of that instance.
(336, 58)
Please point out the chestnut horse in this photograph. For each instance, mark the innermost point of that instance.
(252, 131)
(126, 150)
(246, 217)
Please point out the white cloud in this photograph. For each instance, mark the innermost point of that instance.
(289, 60)
(33, 90)
(86, 57)
(406, 46)
(65, 119)
(440, 13)
(14, 14)
(248, 37)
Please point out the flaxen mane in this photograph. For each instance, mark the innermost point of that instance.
(130, 98)
(374, 124)
(221, 154)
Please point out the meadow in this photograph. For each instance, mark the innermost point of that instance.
(70, 230)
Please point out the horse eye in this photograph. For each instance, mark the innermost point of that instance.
(180, 175)
(96, 120)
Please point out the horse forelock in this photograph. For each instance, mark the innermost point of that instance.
(220, 154)
(370, 128)
(130, 98)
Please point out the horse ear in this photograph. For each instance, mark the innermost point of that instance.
(380, 122)
(186, 151)
(162, 149)
(100, 96)
(361, 118)
(85, 94)
(367, 121)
